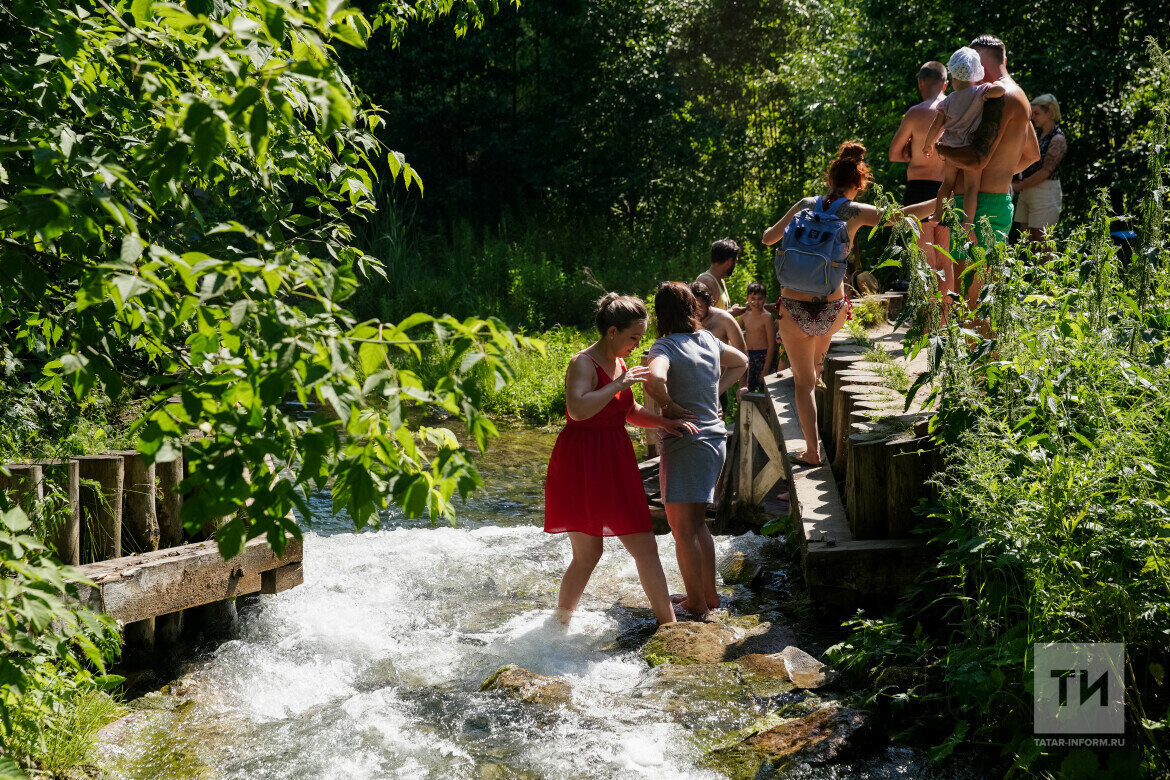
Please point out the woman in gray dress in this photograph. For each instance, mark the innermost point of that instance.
(689, 368)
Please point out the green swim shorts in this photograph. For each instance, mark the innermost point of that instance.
(997, 207)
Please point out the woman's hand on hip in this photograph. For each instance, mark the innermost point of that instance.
(678, 427)
(674, 411)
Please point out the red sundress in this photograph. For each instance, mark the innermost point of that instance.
(593, 485)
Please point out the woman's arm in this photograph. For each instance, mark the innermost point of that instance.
(656, 389)
(776, 232)
(582, 399)
(734, 364)
(1056, 150)
(642, 418)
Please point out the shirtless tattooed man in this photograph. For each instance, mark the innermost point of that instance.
(1012, 147)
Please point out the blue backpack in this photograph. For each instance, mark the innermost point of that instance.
(812, 252)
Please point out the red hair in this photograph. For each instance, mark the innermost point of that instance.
(848, 170)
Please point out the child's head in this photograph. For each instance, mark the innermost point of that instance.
(756, 293)
(965, 67)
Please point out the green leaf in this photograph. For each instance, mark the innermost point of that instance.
(210, 142)
(142, 11)
(131, 248)
(274, 23)
(258, 129)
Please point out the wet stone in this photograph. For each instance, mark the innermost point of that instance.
(529, 687)
(706, 696)
(739, 569)
(804, 670)
(827, 735)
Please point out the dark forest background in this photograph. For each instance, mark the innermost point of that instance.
(570, 146)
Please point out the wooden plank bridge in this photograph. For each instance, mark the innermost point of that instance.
(854, 514)
(118, 500)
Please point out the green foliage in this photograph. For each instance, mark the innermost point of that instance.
(538, 392)
(52, 655)
(1054, 509)
(178, 191)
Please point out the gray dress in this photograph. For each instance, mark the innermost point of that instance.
(691, 464)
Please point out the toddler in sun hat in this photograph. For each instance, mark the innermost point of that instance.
(959, 116)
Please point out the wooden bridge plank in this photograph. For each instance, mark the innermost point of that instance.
(142, 586)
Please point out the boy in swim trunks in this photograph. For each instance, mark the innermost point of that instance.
(957, 121)
(760, 335)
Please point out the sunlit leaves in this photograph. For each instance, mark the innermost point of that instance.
(182, 205)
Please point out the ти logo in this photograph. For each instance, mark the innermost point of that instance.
(1079, 688)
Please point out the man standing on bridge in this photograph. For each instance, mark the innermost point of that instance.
(1012, 147)
(924, 174)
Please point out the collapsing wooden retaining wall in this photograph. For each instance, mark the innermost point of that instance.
(116, 503)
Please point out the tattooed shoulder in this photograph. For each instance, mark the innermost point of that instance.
(849, 211)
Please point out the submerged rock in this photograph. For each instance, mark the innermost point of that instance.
(770, 666)
(824, 736)
(529, 687)
(739, 569)
(710, 697)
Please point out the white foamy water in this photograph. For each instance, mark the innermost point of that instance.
(372, 668)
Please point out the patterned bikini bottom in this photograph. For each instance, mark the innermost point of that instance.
(816, 318)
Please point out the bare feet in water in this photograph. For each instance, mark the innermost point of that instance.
(680, 602)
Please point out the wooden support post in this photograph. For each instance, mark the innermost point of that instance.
(102, 506)
(905, 483)
(25, 482)
(168, 630)
(170, 503)
(139, 517)
(140, 526)
(279, 580)
(747, 452)
(65, 536)
(865, 476)
(862, 383)
(837, 360)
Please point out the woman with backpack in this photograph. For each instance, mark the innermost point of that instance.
(817, 235)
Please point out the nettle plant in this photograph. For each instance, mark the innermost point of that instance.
(179, 186)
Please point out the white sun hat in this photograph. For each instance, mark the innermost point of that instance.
(965, 65)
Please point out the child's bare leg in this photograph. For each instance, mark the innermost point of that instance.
(586, 553)
(970, 186)
(950, 172)
(644, 548)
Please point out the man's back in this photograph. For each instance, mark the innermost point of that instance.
(1005, 160)
(911, 133)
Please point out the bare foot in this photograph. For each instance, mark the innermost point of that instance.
(562, 615)
(685, 606)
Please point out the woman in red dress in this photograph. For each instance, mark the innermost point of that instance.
(593, 488)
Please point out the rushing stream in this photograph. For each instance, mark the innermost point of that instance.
(372, 667)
